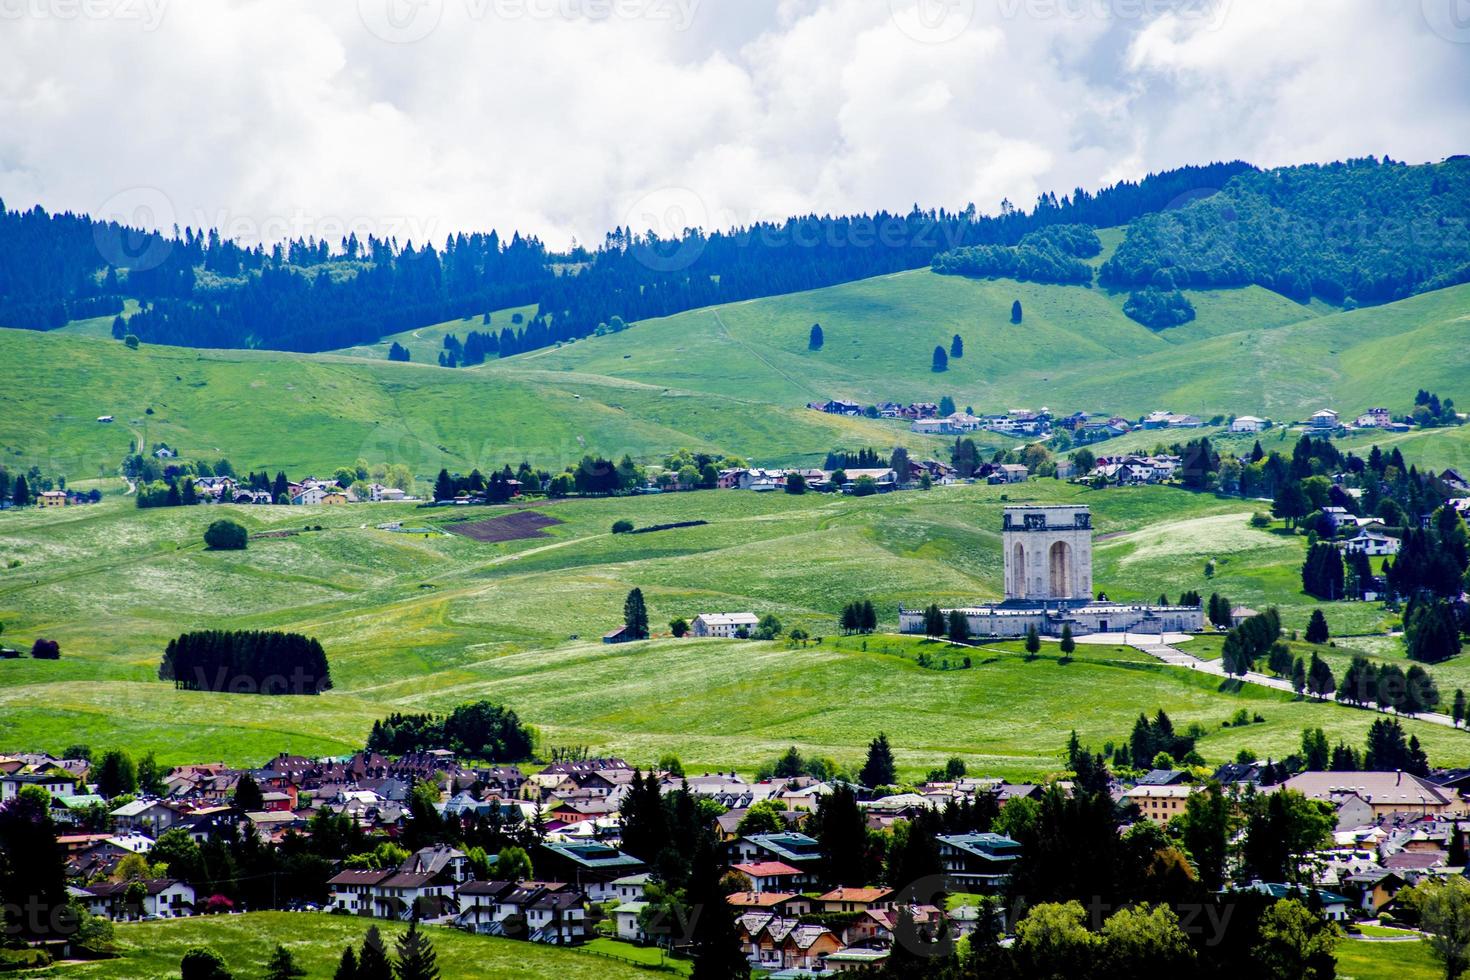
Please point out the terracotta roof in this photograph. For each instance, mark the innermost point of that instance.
(759, 900)
(766, 869)
(855, 895)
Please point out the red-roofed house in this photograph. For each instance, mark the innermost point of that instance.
(772, 876)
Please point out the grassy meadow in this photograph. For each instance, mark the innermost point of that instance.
(245, 942)
(415, 622)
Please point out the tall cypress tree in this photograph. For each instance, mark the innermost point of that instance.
(940, 361)
(815, 341)
(635, 615)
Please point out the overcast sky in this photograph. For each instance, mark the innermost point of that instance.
(419, 118)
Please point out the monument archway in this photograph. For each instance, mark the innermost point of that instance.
(1060, 562)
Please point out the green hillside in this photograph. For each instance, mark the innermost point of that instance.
(414, 622)
(1249, 350)
(303, 413)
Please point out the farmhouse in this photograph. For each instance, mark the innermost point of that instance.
(1325, 419)
(1247, 423)
(1373, 544)
(726, 625)
(1048, 582)
(162, 898)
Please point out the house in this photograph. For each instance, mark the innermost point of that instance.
(626, 920)
(726, 625)
(477, 903)
(1010, 473)
(855, 899)
(1332, 906)
(308, 497)
(620, 635)
(1374, 418)
(631, 888)
(772, 876)
(1373, 544)
(977, 862)
(1160, 803)
(57, 782)
(423, 885)
(1385, 793)
(1247, 423)
(787, 904)
(150, 816)
(775, 943)
(104, 418)
(163, 452)
(797, 850)
(1325, 419)
(51, 498)
(162, 898)
(543, 912)
(377, 493)
(591, 867)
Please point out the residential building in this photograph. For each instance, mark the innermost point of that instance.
(1325, 419)
(163, 898)
(1374, 418)
(978, 862)
(1385, 793)
(855, 899)
(51, 498)
(725, 625)
(1247, 423)
(591, 867)
(1373, 544)
(1160, 803)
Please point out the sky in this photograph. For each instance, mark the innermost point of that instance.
(272, 119)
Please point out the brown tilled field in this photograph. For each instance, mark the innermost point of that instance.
(512, 527)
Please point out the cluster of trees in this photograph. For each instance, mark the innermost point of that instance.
(1430, 412)
(1324, 574)
(246, 662)
(1157, 308)
(23, 488)
(1151, 738)
(1052, 254)
(1355, 233)
(1432, 561)
(861, 459)
(1432, 629)
(226, 535)
(475, 348)
(313, 296)
(1410, 692)
(955, 625)
(415, 958)
(397, 352)
(1250, 641)
(481, 730)
(858, 617)
(496, 490)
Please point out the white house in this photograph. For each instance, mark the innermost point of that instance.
(162, 898)
(378, 493)
(1374, 418)
(1247, 423)
(1325, 419)
(626, 917)
(309, 496)
(1373, 544)
(163, 452)
(726, 625)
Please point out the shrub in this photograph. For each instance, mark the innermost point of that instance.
(1158, 309)
(226, 535)
(44, 649)
(622, 527)
(1260, 520)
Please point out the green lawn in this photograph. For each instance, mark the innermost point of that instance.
(153, 949)
(419, 623)
(1359, 960)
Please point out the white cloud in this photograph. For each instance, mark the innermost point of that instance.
(273, 117)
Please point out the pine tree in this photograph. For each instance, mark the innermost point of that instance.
(1459, 707)
(282, 966)
(416, 957)
(933, 620)
(940, 361)
(1016, 312)
(957, 347)
(959, 626)
(372, 960)
(1068, 644)
(1033, 640)
(635, 615)
(816, 340)
(22, 495)
(444, 488)
(715, 941)
(1317, 628)
(879, 769)
(869, 617)
(1299, 677)
(347, 968)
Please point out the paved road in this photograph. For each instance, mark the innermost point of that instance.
(1175, 657)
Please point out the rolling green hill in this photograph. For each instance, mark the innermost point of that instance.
(414, 622)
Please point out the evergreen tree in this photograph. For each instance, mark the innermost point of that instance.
(1033, 640)
(1459, 707)
(444, 487)
(635, 615)
(879, 769)
(1317, 628)
(116, 774)
(416, 958)
(347, 967)
(869, 617)
(934, 624)
(816, 340)
(22, 494)
(957, 347)
(715, 942)
(959, 626)
(1299, 677)
(282, 966)
(1016, 312)
(1068, 644)
(248, 797)
(843, 834)
(1319, 677)
(940, 361)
